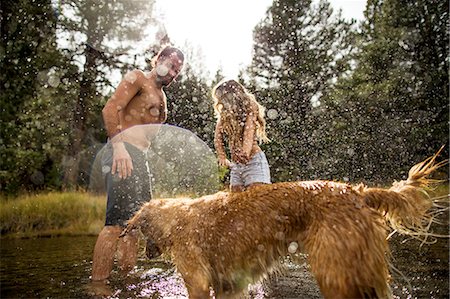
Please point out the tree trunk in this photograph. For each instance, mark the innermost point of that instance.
(80, 113)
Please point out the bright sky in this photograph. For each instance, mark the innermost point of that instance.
(222, 29)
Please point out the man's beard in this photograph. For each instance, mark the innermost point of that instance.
(165, 81)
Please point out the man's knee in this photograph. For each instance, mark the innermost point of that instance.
(111, 230)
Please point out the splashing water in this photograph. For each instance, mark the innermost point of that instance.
(180, 163)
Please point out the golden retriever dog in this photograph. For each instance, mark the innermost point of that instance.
(226, 241)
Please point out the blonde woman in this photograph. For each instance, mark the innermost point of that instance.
(240, 118)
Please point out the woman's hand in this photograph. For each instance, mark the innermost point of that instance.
(241, 157)
(224, 162)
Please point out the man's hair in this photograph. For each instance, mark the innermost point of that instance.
(166, 52)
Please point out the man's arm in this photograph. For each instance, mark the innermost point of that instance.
(123, 94)
(127, 89)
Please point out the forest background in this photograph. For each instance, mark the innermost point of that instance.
(355, 102)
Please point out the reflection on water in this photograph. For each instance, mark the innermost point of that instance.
(46, 267)
(422, 271)
(61, 267)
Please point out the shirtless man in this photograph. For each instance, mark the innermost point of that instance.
(138, 100)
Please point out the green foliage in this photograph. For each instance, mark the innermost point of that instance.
(342, 103)
(299, 51)
(190, 105)
(36, 86)
(181, 164)
(106, 26)
(51, 106)
(395, 103)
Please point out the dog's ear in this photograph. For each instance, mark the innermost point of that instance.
(151, 250)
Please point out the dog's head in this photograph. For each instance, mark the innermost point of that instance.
(151, 249)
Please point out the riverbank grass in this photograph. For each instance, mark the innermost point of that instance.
(52, 214)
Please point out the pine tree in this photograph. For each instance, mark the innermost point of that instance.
(33, 96)
(108, 30)
(190, 104)
(394, 107)
(299, 50)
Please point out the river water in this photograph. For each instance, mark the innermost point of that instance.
(45, 267)
(60, 268)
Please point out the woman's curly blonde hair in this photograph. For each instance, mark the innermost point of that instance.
(232, 104)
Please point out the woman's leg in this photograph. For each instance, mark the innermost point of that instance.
(237, 188)
(236, 182)
(253, 185)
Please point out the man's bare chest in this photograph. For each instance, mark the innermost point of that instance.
(146, 105)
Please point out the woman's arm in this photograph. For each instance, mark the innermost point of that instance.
(219, 145)
(249, 135)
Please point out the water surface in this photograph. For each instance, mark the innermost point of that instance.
(61, 267)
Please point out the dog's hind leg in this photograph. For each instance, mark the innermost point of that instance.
(197, 283)
(348, 254)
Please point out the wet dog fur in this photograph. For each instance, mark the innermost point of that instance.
(228, 240)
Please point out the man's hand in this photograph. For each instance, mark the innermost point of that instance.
(122, 163)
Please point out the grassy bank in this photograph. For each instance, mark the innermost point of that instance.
(52, 214)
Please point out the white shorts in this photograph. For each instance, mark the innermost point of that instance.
(255, 171)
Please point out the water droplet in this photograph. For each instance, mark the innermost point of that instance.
(272, 113)
(279, 236)
(292, 248)
(106, 169)
(130, 77)
(162, 70)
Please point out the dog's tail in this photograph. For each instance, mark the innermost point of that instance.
(406, 206)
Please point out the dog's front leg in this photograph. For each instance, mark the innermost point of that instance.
(198, 294)
(196, 282)
(197, 288)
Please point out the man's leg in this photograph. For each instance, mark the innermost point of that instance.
(104, 250)
(137, 191)
(127, 250)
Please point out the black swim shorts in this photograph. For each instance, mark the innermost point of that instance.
(126, 196)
